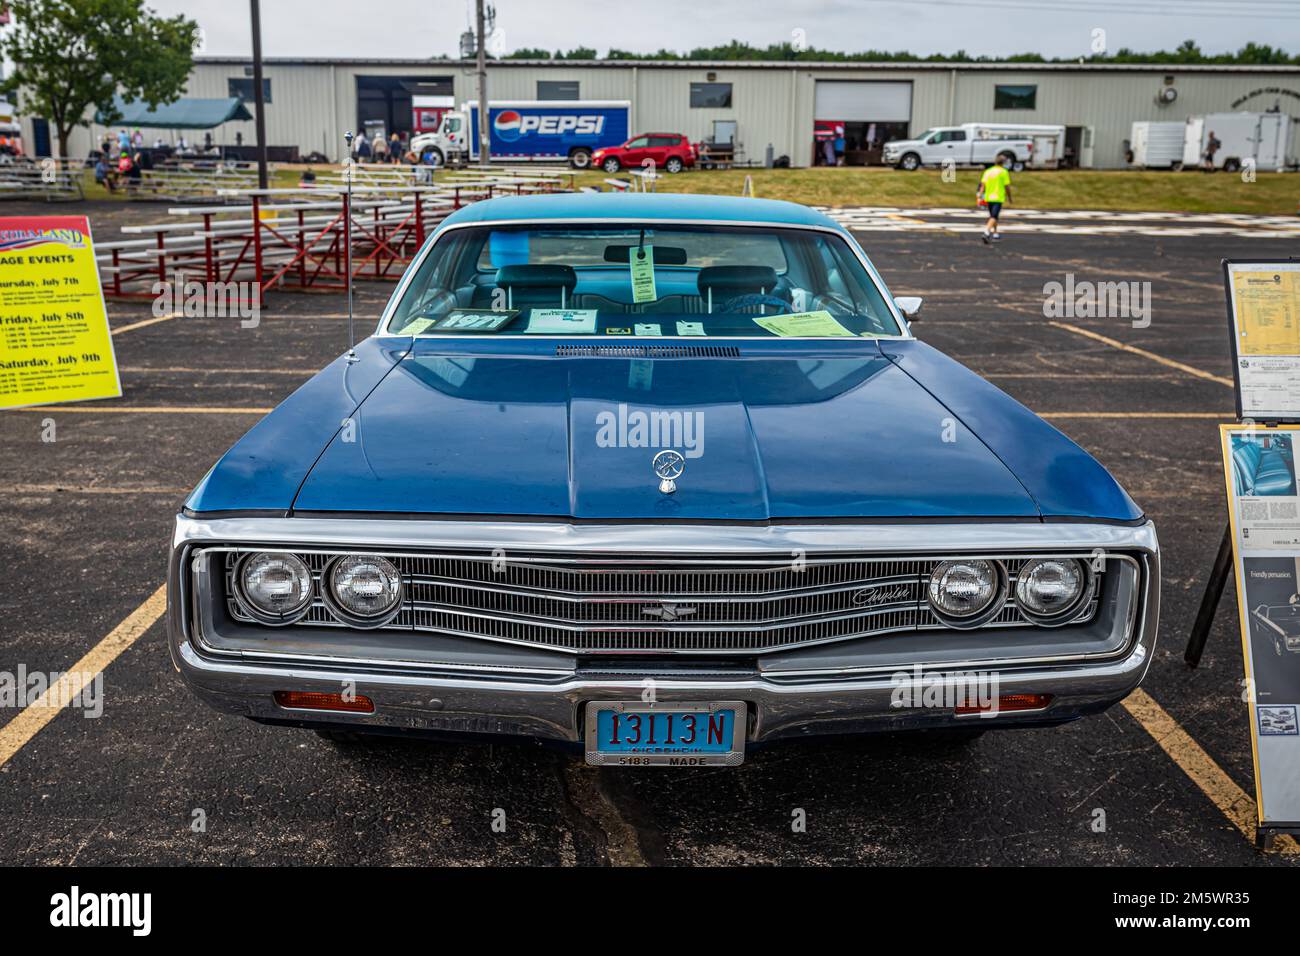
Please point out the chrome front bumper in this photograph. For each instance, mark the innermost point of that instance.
(549, 703)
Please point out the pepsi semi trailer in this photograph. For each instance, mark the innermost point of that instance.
(550, 129)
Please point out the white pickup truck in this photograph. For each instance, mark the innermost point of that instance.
(968, 145)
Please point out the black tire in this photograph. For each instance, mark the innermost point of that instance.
(580, 159)
(611, 165)
(1007, 159)
(1176, 166)
(910, 162)
(1231, 165)
(342, 738)
(673, 164)
(436, 158)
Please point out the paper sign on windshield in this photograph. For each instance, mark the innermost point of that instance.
(804, 325)
(561, 321)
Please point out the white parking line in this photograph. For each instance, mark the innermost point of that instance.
(1066, 222)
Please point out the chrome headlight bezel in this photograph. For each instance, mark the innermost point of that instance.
(259, 613)
(986, 612)
(351, 617)
(1087, 584)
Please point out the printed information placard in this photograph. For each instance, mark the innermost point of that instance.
(1264, 511)
(1264, 315)
(55, 344)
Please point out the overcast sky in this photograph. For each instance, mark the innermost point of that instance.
(423, 28)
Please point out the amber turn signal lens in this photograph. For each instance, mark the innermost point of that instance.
(311, 700)
(1008, 702)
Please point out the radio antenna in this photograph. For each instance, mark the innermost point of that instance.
(347, 242)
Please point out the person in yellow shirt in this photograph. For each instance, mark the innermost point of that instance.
(995, 189)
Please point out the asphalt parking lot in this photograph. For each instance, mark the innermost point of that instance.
(85, 520)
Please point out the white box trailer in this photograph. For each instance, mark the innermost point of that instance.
(1048, 139)
(1264, 138)
(1157, 145)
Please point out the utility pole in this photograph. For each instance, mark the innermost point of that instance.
(258, 99)
(483, 137)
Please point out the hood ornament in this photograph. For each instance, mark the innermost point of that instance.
(668, 465)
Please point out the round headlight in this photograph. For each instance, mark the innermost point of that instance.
(366, 589)
(1050, 587)
(275, 587)
(964, 589)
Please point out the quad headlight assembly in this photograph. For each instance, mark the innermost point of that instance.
(969, 592)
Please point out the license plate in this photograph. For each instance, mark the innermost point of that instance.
(680, 734)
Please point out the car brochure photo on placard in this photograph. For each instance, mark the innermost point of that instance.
(1264, 511)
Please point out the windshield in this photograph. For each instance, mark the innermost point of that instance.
(606, 280)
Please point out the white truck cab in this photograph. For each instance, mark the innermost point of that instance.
(448, 143)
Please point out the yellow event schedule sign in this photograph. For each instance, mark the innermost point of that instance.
(55, 345)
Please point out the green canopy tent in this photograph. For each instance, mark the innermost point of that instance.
(185, 113)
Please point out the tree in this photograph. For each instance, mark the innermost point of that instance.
(528, 53)
(71, 55)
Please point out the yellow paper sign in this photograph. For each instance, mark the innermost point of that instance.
(55, 345)
(642, 260)
(1268, 312)
(804, 325)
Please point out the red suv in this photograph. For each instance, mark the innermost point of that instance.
(669, 151)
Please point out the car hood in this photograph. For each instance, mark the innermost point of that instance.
(786, 433)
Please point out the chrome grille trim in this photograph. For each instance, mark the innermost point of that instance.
(725, 603)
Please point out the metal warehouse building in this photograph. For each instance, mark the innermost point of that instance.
(311, 102)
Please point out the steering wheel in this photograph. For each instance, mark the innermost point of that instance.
(753, 302)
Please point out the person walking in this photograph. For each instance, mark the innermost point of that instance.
(395, 148)
(362, 154)
(994, 190)
(1212, 145)
(379, 148)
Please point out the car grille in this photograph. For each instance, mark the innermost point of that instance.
(720, 604)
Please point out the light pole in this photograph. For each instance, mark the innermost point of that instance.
(347, 240)
(258, 99)
(483, 113)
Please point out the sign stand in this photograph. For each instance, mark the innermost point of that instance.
(1210, 600)
(1261, 542)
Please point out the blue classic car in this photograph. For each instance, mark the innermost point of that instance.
(661, 478)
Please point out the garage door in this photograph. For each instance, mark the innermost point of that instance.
(868, 101)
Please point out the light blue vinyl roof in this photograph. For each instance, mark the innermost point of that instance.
(641, 206)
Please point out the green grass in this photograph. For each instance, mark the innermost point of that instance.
(1120, 190)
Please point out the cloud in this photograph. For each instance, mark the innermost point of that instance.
(431, 28)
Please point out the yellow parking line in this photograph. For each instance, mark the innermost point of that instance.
(145, 409)
(15, 734)
(1218, 416)
(140, 325)
(92, 490)
(1235, 804)
(234, 371)
(1170, 363)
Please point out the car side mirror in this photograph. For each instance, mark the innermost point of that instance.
(909, 305)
